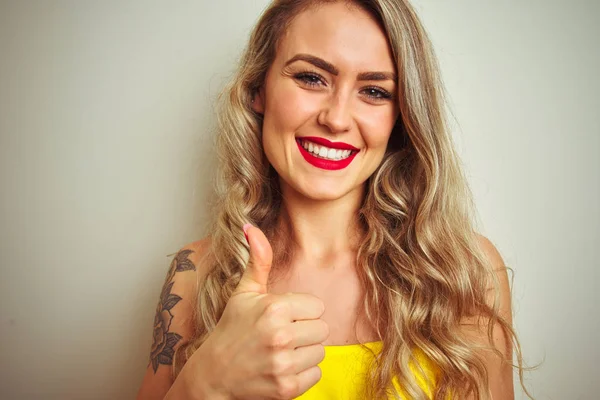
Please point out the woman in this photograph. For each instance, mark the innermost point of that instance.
(361, 275)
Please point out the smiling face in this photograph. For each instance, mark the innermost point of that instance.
(332, 80)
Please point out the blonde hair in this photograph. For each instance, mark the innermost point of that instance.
(418, 257)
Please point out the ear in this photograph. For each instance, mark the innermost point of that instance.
(258, 102)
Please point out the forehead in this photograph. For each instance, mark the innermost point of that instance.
(342, 34)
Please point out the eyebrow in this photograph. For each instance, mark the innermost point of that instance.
(327, 66)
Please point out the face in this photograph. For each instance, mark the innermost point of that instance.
(332, 89)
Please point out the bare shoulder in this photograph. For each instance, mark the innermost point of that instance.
(174, 320)
(196, 252)
(188, 267)
(497, 293)
(499, 370)
(501, 273)
(490, 250)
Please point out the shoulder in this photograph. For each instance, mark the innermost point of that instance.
(497, 294)
(188, 266)
(196, 253)
(501, 285)
(497, 283)
(489, 248)
(177, 300)
(497, 364)
(491, 252)
(174, 320)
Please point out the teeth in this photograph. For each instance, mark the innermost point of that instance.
(325, 152)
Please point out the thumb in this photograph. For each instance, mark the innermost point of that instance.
(256, 276)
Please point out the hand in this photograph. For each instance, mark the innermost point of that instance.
(267, 345)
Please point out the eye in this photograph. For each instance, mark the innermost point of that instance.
(377, 93)
(309, 78)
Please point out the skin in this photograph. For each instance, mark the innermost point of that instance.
(322, 83)
(300, 98)
(336, 107)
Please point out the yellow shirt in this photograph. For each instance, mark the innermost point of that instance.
(344, 370)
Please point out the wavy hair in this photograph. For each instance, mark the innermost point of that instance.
(418, 257)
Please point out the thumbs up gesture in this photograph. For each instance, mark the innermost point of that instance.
(257, 272)
(267, 345)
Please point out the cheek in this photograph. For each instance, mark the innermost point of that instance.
(377, 128)
(288, 107)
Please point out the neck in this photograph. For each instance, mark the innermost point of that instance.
(322, 229)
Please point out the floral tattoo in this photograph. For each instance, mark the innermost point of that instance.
(163, 343)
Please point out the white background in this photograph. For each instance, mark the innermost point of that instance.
(106, 115)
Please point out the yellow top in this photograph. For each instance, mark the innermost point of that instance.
(344, 371)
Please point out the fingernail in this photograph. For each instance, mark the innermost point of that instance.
(245, 228)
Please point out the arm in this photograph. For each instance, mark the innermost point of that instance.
(500, 372)
(173, 322)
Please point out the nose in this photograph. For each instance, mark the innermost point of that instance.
(336, 114)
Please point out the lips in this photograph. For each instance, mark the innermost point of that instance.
(327, 143)
(323, 163)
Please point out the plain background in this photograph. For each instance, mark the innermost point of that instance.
(106, 116)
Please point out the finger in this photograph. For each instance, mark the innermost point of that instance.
(295, 385)
(308, 332)
(308, 378)
(308, 356)
(256, 275)
(304, 306)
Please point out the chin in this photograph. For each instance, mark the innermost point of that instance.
(325, 195)
(320, 188)
(324, 192)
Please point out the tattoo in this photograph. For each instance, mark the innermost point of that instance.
(163, 343)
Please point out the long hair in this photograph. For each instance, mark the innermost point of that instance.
(418, 258)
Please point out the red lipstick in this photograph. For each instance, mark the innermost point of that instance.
(327, 143)
(323, 163)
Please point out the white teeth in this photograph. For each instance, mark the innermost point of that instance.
(325, 152)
